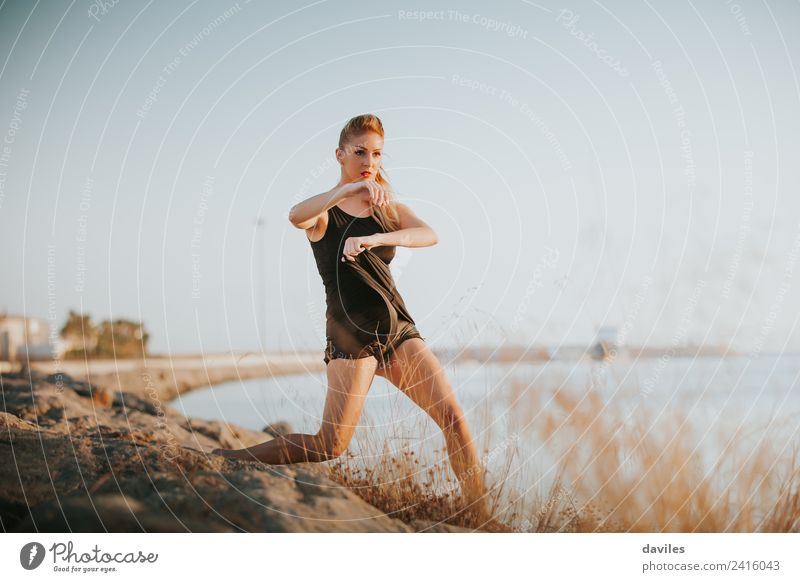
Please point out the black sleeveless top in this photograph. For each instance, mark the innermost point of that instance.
(363, 304)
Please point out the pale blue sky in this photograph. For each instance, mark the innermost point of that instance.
(584, 164)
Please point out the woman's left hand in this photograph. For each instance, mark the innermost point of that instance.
(355, 245)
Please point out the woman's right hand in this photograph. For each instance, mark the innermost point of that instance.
(368, 191)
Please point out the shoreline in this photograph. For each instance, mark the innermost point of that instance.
(167, 377)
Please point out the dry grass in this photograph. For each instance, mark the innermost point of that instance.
(402, 488)
(607, 472)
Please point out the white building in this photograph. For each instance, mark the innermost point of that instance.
(23, 338)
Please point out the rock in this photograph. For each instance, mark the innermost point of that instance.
(141, 466)
(226, 436)
(108, 512)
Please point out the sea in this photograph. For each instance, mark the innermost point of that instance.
(526, 417)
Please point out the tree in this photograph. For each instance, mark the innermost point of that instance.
(121, 338)
(80, 336)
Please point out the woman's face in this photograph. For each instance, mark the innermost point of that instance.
(361, 157)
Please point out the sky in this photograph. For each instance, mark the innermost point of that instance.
(584, 164)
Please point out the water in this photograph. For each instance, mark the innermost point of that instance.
(542, 409)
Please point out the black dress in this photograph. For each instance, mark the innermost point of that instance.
(365, 314)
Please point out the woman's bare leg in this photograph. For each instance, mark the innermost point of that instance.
(418, 374)
(348, 384)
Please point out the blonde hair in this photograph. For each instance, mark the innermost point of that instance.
(354, 127)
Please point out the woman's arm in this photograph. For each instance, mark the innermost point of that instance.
(305, 214)
(413, 232)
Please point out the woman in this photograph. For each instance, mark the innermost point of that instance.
(353, 230)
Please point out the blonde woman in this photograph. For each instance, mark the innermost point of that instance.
(353, 230)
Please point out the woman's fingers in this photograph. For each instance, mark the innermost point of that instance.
(351, 248)
(380, 195)
(376, 194)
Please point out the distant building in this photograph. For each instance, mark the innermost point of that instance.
(23, 338)
(606, 344)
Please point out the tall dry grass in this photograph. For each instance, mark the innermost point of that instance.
(414, 483)
(570, 463)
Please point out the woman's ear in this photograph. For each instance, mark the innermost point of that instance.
(339, 155)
